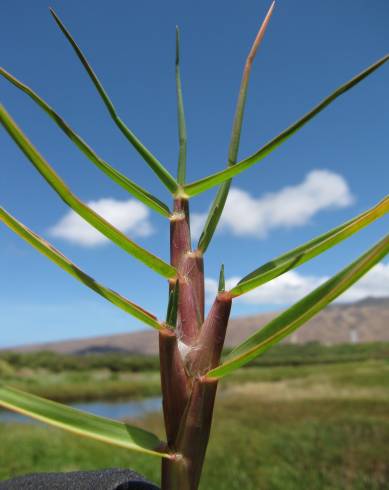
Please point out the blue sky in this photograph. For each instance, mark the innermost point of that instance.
(341, 157)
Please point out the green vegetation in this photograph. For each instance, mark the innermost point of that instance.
(81, 378)
(116, 376)
(305, 427)
(5, 369)
(98, 384)
(315, 353)
(57, 363)
(282, 354)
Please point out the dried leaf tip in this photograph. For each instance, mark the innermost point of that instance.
(222, 281)
(261, 32)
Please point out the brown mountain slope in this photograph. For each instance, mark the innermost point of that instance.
(365, 321)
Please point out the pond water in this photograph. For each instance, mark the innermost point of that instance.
(112, 409)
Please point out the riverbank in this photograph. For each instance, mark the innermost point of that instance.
(118, 376)
(97, 384)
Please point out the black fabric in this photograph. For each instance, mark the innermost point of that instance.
(112, 479)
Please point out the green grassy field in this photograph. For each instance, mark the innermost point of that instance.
(311, 426)
(113, 376)
(78, 378)
(96, 384)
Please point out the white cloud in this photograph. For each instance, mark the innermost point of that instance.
(128, 216)
(290, 207)
(292, 286)
(285, 289)
(197, 221)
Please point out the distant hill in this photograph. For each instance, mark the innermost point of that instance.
(364, 321)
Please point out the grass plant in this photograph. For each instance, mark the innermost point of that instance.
(191, 344)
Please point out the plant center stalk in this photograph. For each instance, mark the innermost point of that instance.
(187, 352)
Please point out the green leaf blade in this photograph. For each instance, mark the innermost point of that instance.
(104, 166)
(81, 423)
(97, 221)
(162, 173)
(58, 258)
(309, 250)
(217, 178)
(219, 202)
(301, 312)
(172, 309)
(182, 136)
(213, 217)
(222, 281)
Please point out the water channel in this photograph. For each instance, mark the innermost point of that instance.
(112, 409)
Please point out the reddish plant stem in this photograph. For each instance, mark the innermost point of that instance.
(202, 341)
(191, 299)
(188, 397)
(174, 382)
(190, 274)
(180, 241)
(208, 347)
(175, 395)
(194, 434)
(192, 440)
(195, 272)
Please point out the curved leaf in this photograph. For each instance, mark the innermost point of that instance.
(81, 423)
(149, 158)
(301, 312)
(114, 174)
(77, 205)
(220, 199)
(219, 177)
(58, 258)
(311, 249)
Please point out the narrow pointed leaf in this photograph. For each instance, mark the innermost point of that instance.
(181, 117)
(172, 309)
(77, 205)
(81, 423)
(213, 217)
(58, 258)
(222, 281)
(311, 249)
(220, 199)
(241, 102)
(219, 177)
(149, 158)
(114, 174)
(301, 312)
